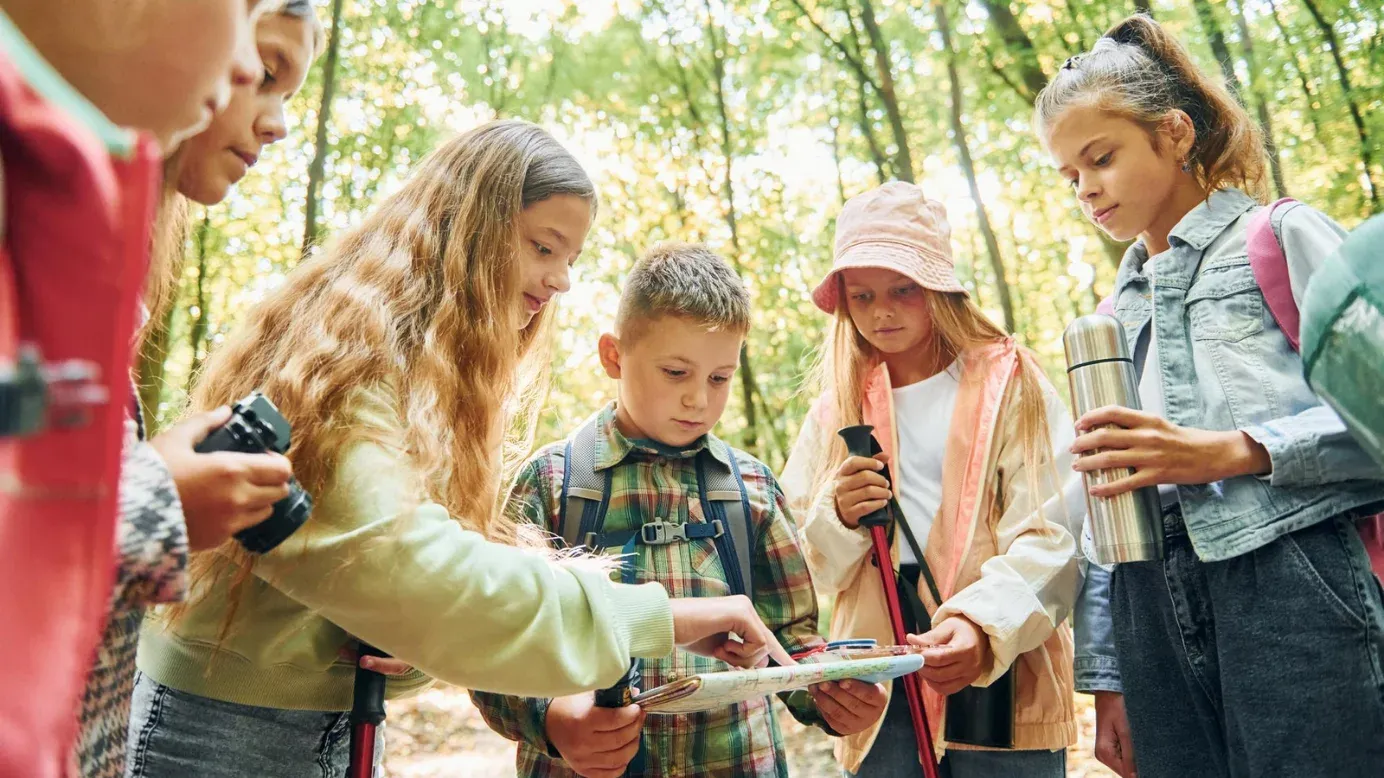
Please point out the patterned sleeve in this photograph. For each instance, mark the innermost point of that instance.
(152, 540)
(783, 593)
(524, 719)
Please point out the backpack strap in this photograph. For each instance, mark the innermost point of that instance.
(725, 499)
(1106, 306)
(585, 495)
(1264, 245)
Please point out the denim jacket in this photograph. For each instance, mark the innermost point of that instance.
(1226, 365)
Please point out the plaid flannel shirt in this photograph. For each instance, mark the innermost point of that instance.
(651, 483)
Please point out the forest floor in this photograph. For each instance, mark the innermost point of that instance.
(439, 734)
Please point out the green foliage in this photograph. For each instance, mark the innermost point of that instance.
(632, 88)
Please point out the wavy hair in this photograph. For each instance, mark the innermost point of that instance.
(422, 296)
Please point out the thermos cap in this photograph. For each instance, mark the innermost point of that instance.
(1094, 338)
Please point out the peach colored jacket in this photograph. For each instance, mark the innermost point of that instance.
(1007, 567)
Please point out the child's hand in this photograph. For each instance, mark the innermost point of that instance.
(1114, 747)
(860, 489)
(383, 665)
(594, 742)
(705, 625)
(850, 706)
(1161, 452)
(957, 653)
(222, 492)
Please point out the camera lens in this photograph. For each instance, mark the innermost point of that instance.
(289, 514)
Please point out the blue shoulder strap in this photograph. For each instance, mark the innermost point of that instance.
(725, 499)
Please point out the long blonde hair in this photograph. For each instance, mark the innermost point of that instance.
(1141, 71)
(846, 358)
(422, 297)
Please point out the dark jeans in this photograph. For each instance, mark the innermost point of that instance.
(1268, 664)
(895, 754)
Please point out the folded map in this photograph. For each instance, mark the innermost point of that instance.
(708, 691)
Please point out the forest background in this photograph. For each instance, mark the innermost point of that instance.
(746, 125)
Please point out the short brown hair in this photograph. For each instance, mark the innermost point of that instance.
(687, 280)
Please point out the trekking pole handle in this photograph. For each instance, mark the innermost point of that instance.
(860, 442)
(368, 695)
(622, 693)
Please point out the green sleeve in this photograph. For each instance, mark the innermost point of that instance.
(403, 575)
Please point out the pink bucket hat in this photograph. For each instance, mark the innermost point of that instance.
(895, 228)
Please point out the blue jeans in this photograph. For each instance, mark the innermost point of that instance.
(174, 733)
(1266, 664)
(895, 754)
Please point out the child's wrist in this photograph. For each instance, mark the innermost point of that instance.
(1246, 455)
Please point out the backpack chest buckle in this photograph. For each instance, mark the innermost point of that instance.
(662, 533)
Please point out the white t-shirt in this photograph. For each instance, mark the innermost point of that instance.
(923, 413)
(1151, 382)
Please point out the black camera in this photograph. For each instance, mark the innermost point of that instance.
(257, 427)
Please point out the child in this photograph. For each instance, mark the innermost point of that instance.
(1255, 647)
(401, 356)
(78, 192)
(968, 425)
(682, 318)
(173, 501)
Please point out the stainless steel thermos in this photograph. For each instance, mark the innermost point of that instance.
(1100, 369)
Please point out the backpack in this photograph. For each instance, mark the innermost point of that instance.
(721, 489)
(1264, 246)
(1342, 345)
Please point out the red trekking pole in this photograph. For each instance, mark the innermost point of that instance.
(860, 443)
(367, 714)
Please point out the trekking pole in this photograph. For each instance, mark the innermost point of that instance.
(367, 714)
(618, 696)
(860, 443)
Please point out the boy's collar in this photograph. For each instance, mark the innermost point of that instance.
(612, 446)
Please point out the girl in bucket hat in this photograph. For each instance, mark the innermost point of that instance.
(976, 439)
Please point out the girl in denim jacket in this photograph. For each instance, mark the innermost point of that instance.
(1255, 646)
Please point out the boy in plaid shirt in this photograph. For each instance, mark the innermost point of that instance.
(683, 316)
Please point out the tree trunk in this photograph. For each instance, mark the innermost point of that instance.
(1207, 16)
(748, 386)
(1366, 155)
(871, 142)
(1016, 42)
(836, 160)
(1261, 102)
(197, 331)
(1144, 7)
(318, 169)
(856, 64)
(963, 151)
(1308, 94)
(903, 158)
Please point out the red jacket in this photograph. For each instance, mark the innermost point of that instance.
(77, 210)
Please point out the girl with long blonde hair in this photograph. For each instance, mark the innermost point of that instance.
(968, 426)
(410, 357)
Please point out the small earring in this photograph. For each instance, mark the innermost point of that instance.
(1186, 166)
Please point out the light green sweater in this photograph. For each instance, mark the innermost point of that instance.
(380, 564)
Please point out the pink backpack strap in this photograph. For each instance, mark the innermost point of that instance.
(1106, 306)
(1372, 535)
(1270, 267)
